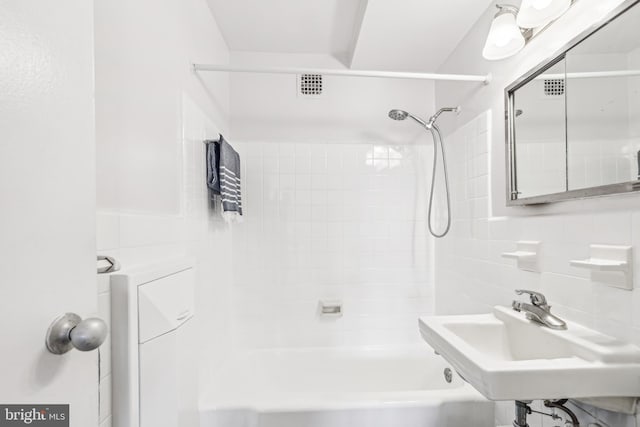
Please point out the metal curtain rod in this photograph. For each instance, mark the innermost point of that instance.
(589, 75)
(486, 79)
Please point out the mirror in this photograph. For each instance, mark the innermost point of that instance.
(573, 123)
(541, 131)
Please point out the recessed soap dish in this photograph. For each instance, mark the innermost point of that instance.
(600, 264)
(520, 255)
(611, 265)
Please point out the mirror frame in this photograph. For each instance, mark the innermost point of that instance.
(510, 148)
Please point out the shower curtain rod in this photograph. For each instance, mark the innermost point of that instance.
(486, 79)
(589, 75)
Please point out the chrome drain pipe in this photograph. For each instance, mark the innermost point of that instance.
(559, 404)
(522, 410)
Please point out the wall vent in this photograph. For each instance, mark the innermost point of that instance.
(554, 87)
(310, 85)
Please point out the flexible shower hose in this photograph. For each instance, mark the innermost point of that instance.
(437, 140)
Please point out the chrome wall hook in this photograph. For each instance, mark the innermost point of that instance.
(113, 264)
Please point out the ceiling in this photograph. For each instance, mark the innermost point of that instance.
(287, 26)
(411, 35)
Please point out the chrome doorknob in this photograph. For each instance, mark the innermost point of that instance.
(70, 331)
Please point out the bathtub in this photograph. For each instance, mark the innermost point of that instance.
(342, 387)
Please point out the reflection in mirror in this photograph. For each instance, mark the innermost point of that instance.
(540, 133)
(603, 105)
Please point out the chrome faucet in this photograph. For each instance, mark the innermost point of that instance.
(538, 311)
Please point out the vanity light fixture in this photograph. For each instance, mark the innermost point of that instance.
(512, 28)
(538, 13)
(505, 38)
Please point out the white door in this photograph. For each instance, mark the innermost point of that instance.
(47, 201)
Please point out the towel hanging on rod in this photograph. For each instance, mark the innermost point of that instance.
(224, 177)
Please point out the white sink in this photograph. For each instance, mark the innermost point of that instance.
(508, 357)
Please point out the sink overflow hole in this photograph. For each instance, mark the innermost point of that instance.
(448, 375)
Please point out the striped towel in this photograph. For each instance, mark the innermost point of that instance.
(213, 166)
(223, 177)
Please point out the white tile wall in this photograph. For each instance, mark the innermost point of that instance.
(331, 221)
(471, 276)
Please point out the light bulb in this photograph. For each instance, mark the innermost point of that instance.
(504, 39)
(538, 13)
(541, 4)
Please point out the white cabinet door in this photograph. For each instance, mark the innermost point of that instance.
(168, 379)
(47, 201)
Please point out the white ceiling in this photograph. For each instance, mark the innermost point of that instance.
(412, 35)
(287, 26)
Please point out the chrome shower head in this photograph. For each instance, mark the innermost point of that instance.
(402, 115)
(398, 114)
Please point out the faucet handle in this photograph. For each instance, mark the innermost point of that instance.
(537, 298)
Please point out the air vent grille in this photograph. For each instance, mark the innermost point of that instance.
(554, 87)
(311, 84)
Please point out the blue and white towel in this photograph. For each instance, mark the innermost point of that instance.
(213, 165)
(223, 177)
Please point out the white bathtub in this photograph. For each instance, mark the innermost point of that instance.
(342, 387)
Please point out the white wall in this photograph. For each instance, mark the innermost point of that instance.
(471, 277)
(142, 77)
(152, 115)
(351, 109)
(334, 195)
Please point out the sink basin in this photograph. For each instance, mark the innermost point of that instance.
(505, 356)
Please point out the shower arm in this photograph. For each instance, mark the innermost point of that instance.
(420, 121)
(433, 118)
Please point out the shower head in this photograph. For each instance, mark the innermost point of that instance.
(402, 115)
(398, 114)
